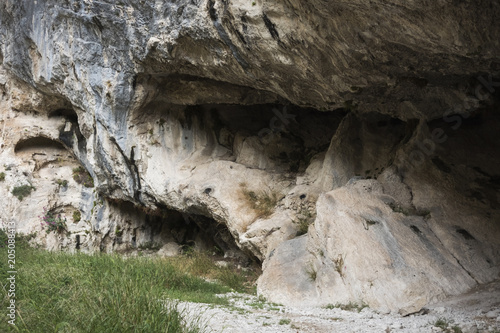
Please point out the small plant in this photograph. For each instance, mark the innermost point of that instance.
(351, 306)
(445, 325)
(118, 231)
(61, 182)
(442, 323)
(263, 202)
(52, 222)
(339, 264)
(312, 273)
(285, 321)
(304, 219)
(77, 216)
(253, 3)
(81, 176)
(22, 191)
(2, 176)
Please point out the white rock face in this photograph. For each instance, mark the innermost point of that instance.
(201, 125)
(408, 238)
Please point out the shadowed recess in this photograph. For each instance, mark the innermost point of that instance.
(39, 143)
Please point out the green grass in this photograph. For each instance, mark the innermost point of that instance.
(2, 176)
(61, 182)
(77, 216)
(22, 191)
(201, 264)
(61, 292)
(445, 325)
(312, 273)
(284, 321)
(442, 323)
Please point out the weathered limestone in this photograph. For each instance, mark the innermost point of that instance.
(204, 124)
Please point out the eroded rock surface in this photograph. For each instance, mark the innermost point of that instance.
(368, 127)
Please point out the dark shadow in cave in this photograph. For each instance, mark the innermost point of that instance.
(39, 142)
(66, 113)
(190, 231)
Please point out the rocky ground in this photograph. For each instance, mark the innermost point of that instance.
(476, 311)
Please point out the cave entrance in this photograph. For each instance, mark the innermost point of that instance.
(143, 229)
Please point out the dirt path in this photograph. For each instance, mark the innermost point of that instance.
(477, 311)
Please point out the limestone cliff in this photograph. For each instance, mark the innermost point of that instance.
(351, 147)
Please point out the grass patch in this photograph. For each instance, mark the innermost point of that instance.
(351, 306)
(262, 304)
(77, 216)
(262, 202)
(81, 176)
(2, 176)
(442, 323)
(61, 182)
(203, 265)
(22, 191)
(445, 325)
(312, 273)
(284, 321)
(61, 292)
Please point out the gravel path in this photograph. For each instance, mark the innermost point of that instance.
(477, 311)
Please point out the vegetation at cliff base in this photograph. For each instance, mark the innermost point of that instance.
(62, 292)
